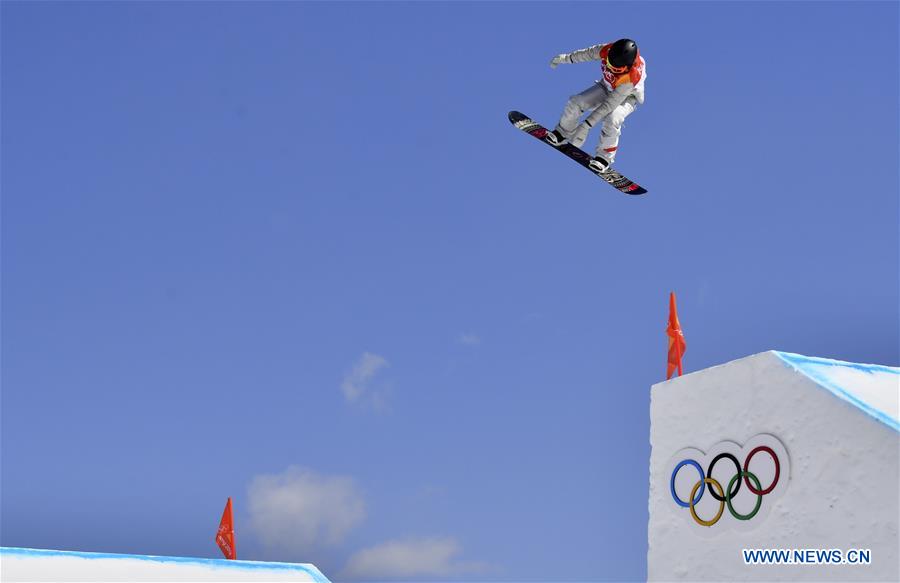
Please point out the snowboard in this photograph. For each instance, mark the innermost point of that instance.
(613, 177)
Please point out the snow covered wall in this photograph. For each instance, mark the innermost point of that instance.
(775, 451)
(45, 565)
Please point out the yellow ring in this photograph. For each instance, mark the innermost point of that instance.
(712, 483)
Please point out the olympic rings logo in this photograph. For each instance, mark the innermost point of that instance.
(768, 478)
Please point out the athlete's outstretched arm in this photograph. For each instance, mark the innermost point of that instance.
(591, 53)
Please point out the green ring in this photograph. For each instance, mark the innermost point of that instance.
(752, 476)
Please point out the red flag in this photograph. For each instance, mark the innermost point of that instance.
(677, 345)
(225, 535)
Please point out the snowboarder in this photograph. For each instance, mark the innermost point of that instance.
(609, 100)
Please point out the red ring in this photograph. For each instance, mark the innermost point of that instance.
(753, 452)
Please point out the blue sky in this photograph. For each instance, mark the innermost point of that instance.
(295, 254)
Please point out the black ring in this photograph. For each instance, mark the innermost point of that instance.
(737, 466)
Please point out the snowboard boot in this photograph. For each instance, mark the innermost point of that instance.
(599, 164)
(555, 138)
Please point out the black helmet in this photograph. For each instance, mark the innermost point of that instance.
(622, 53)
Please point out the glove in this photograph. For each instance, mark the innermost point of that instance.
(561, 58)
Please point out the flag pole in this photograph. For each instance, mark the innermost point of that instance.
(225, 533)
(676, 340)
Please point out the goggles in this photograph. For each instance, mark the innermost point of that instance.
(616, 70)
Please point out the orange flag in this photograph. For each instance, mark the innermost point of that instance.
(225, 535)
(677, 345)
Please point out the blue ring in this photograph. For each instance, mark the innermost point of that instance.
(678, 500)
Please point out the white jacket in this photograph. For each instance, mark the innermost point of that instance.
(619, 87)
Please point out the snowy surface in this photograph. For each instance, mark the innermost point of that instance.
(47, 565)
(873, 388)
(844, 476)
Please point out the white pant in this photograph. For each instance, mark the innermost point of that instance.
(587, 101)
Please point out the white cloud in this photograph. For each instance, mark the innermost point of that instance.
(469, 339)
(355, 385)
(300, 509)
(399, 559)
